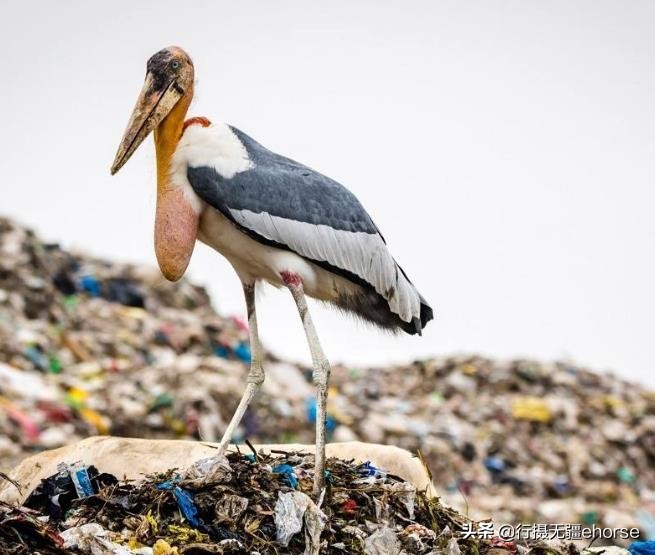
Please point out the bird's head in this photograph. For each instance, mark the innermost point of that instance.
(161, 106)
(169, 78)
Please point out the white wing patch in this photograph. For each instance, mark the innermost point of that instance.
(363, 254)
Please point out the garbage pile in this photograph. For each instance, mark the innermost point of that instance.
(90, 347)
(520, 440)
(254, 503)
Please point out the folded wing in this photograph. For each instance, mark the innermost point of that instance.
(284, 203)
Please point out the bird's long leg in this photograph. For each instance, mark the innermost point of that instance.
(321, 375)
(256, 374)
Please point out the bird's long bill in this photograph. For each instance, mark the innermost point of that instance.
(151, 108)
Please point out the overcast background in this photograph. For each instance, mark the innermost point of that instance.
(505, 149)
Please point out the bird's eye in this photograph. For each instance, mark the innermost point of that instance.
(175, 64)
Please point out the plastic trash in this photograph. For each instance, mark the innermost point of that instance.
(605, 550)
(162, 547)
(80, 477)
(36, 356)
(646, 522)
(64, 283)
(573, 441)
(55, 495)
(229, 508)
(221, 351)
(531, 408)
(330, 422)
(125, 292)
(162, 400)
(29, 428)
(91, 538)
(590, 517)
(368, 470)
(25, 385)
(242, 352)
(642, 548)
(209, 470)
(90, 285)
(349, 507)
(185, 502)
(453, 547)
(625, 475)
(292, 509)
(406, 493)
(289, 512)
(253, 510)
(382, 542)
(494, 464)
(54, 365)
(288, 472)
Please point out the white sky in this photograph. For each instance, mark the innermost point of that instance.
(504, 148)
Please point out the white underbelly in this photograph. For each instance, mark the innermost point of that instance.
(253, 260)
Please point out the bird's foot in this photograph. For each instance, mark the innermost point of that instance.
(319, 487)
(319, 496)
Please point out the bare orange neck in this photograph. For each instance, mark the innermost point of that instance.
(167, 135)
(176, 221)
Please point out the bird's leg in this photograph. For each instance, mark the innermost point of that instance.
(321, 375)
(256, 374)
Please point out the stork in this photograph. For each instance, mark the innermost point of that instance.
(274, 219)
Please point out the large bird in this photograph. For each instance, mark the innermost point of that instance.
(274, 219)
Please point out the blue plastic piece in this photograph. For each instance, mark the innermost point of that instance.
(311, 409)
(367, 469)
(646, 521)
(90, 285)
(642, 548)
(330, 422)
(288, 472)
(561, 485)
(242, 352)
(82, 482)
(221, 351)
(494, 464)
(184, 502)
(169, 484)
(188, 508)
(37, 357)
(251, 457)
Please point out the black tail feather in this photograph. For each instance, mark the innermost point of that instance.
(371, 307)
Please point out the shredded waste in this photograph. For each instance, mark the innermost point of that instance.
(92, 347)
(250, 509)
